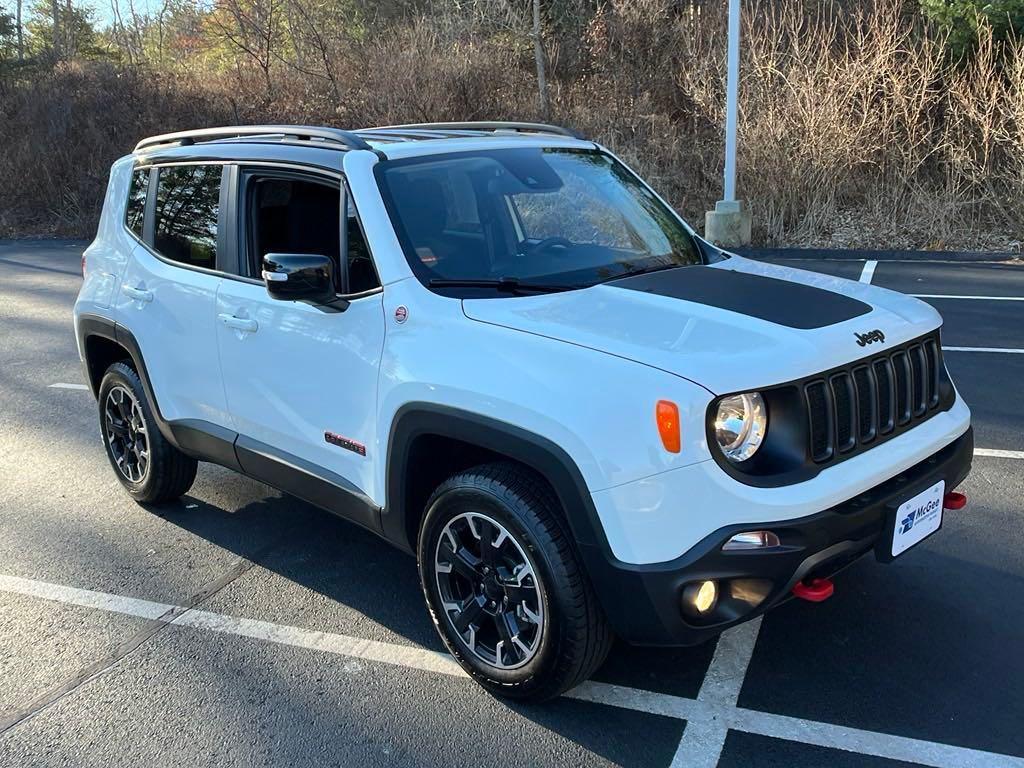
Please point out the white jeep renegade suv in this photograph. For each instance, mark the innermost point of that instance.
(495, 346)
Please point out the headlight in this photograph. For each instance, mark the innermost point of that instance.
(740, 425)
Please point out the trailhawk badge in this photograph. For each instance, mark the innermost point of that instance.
(863, 339)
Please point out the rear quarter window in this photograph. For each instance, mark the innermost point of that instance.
(136, 211)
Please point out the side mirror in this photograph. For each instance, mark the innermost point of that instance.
(299, 277)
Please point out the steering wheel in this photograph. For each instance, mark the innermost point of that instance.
(552, 242)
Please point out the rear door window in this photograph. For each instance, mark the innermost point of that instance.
(187, 206)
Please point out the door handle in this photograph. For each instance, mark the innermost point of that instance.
(138, 294)
(246, 324)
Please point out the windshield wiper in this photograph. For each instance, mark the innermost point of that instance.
(644, 271)
(505, 284)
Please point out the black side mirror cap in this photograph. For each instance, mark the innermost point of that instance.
(299, 277)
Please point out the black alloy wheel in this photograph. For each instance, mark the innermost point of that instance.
(503, 584)
(125, 432)
(489, 590)
(150, 468)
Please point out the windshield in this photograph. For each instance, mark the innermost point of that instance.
(559, 217)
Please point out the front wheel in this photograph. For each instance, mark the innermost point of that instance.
(504, 586)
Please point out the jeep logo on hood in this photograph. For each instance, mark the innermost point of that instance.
(863, 339)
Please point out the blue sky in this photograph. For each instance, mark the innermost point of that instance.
(102, 12)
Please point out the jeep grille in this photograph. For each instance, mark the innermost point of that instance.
(873, 398)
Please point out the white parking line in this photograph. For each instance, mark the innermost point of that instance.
(998, 453)
(62, 385)
(705, 732)
(973, 298)
(860, 742)
(371, 650)
(868, 272)
(1004, 350)
(717, 707)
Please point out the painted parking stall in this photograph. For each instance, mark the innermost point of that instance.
(244, 627)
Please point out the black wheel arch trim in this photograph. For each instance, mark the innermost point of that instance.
(614, 582)
(414, 420)
(89, 325)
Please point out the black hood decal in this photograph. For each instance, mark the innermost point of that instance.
(794, 305)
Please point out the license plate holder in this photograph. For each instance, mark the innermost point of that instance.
(911, 521)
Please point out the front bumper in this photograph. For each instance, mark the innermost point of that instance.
(643, 601)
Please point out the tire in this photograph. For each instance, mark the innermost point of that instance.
(535, 583)
(126, 423)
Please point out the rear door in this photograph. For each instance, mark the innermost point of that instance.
(168, 290)
(301, 382)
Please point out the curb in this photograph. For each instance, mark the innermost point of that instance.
(860, 254)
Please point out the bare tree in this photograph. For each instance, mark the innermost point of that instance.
(538, 55)
(69, 31)
(315, 39)
(122, 33)
(21, 34)
(55, 8)
(254, 31)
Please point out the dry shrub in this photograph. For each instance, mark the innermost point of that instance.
(62, 131)
(854, 128)
(440, 72)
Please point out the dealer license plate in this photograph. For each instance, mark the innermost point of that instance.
(918, 518)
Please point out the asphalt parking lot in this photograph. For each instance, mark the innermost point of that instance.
(242, 627)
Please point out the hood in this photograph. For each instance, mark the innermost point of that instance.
(732, 326)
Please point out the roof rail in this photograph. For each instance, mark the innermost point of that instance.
(347, 139)
(480, 125)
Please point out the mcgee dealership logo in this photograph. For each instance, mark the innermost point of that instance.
(863, 339)
(916, 515)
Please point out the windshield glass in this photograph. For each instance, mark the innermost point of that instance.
(530, 215)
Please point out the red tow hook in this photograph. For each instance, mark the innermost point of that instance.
(954, 500)
(815, 590)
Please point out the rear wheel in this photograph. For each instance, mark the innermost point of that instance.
(149, 467)
(504, 587)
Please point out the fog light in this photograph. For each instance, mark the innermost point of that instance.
(751, 540)
(700, 597)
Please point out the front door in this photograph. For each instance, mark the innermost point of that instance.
(301, 382)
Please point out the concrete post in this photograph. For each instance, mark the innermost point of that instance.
(729, 224)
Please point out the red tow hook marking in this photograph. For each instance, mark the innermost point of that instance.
(815, 590)
(954, 500)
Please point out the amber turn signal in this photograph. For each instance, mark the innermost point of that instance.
(666, 413)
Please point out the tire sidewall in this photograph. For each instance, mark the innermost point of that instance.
(121, 375)
(449, 503)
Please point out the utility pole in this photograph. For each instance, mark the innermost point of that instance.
(729, 224)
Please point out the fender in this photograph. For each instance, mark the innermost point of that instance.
(199, 439)
(618, 586)
(417, 419)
